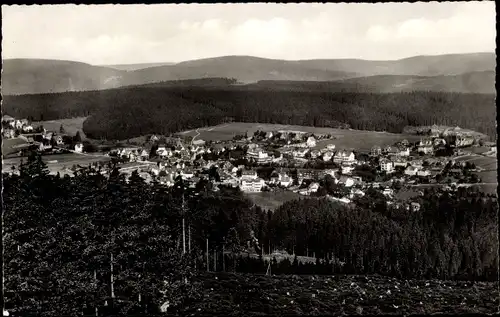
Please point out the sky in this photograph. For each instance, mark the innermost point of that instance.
(128, 34)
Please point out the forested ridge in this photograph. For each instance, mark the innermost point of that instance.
(134, 111)
(61, 234)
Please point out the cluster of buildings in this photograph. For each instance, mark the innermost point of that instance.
(12, 127)
(413, 161)
(195, 161)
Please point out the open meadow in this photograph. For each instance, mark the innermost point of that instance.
(272, 200)
(226, 294)
(71, 126)
(12, 146)
(345, 138)
(58, 162)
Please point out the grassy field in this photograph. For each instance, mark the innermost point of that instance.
(71, 126)
(226, 294)
(348, 139)
(272, 200)
(11, 146)
(57, 162)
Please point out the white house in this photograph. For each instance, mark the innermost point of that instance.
(344, 157)
(311, 142)
(327, 156)
(388, 192)
(423, 173)
(144, 155)
(282, 179)
(386, 166)
(330, 147)
(330, 172)
(252, 185)
(8, 119)
(43, 147)
(414, 206)
(411, 171)
(426, 149)
(48, 135)
(198, 142)
(8, 133)
(346, 181)
(315, 154)
(356, 192)
(313, 187)
(404, 151)
(376, 150)
(300, 153)
(464, 140)
(79, 148)
(400, 162)
(439, 142)
(28, 128)
(269, 135)
(18, 124)
(249, 175)
(164, 152)
(425, 142)
(347, 169)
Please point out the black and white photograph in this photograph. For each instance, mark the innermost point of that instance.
(249, 159)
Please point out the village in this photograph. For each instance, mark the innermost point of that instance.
(276, 161)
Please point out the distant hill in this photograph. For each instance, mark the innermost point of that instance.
(244, 68)
(433, 65)
(32, 76)
(454, 72)
(476, 82)
(132, 67)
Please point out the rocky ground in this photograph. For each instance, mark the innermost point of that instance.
(251, 295)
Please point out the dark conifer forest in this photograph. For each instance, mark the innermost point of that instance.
(134, 111)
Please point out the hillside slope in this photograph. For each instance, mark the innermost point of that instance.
(476, 82)
(130, 112)
(436, 65)
(473, 73)
(132, 67)
(224, 294)
(33, 76)
(243, 68)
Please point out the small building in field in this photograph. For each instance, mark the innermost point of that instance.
(311, 142)
(79, 148)
(198, 142)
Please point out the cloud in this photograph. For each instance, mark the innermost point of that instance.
(155, 33)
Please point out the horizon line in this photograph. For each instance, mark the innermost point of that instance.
(225, 56)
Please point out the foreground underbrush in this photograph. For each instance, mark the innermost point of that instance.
(236, 294)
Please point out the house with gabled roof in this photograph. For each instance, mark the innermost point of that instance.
(327, 156)
(249, 175)
(343, 156)
(346, 181)
(386, 165)
(376, 150)
(411, 170)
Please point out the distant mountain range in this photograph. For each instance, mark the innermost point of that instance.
(132, 67)
(468, 73)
